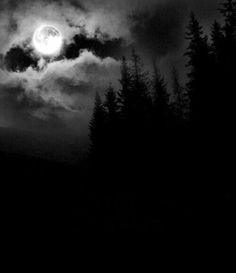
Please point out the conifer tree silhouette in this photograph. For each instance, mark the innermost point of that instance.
(139, 77)
(228, 9)
(217, 38)
(218, 85)
(133, 98)
(200, 65)
(228, 61)
(122, 143)
(97, 128)
(124, 95)
(112, 123)
(178, 92)
(160, 100)
(111, 104)
(140, 97)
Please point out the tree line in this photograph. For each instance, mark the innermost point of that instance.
(141, 116)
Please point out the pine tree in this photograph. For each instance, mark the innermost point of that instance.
(139, 77)
(198, 49)
(200, 65)
(228, 62)
(217, 50)
(111, 104)
(97, 127)
(217, 38)
(124, 95)
(112, 130)
(178, 92)
(134, 98)
(140, 99)
(228, 9)
(135, 105)
(160, 99)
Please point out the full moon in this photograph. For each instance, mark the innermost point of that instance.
(48, 40)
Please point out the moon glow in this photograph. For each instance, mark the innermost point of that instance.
(47, 40)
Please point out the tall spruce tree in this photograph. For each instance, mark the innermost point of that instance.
(139, 78)
(111, 130)
(218, 82)
(217, 39)
(228, 61)
(124, 95)
(111, 104)
(160, 99)
(97, 128)
(200, 65)
(179, 96)
(133, 98)
(228, 9)
(140, 99)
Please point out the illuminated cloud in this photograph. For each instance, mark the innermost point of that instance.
(104, 30)
(64, 83)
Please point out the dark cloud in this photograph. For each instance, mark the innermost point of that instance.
(77, 4)
(13, 4)
(12, 27)
(60, 86)
(19, 59)
(102, 46)
(205, 9)
(36, 92)
(160, 31)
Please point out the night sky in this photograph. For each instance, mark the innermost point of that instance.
(55, 95)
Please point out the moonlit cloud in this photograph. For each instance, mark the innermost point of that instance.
(62, 89)
(64, 83)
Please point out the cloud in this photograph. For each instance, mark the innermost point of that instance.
(160, 31)
(157, 21)
(26, 16)
(19, 58)
(64, 84)
(101, 44)
(62, 89)
(18, 20)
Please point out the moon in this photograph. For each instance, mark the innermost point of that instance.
(47, 40)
